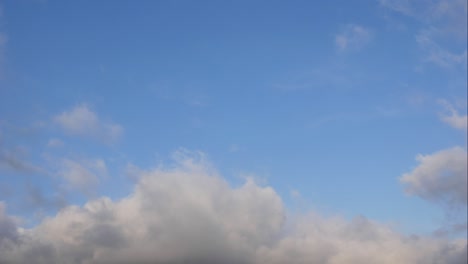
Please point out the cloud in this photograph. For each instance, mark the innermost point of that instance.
(7, 227)
(449, 12)
(55, 143)
(400, 6)
(315, 239)
(352, 37)
(36, 199)
(438, 55)
(440, 177)
(188, 213)
(81, 121)
(82, 175)
(14, 160)
(450, 16)
(443, 34)
(453, 117)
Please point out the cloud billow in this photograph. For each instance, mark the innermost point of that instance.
(440, 177)
(190, 214)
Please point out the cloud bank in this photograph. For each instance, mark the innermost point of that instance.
(188, 213)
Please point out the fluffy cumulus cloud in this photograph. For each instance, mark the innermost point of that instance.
(352, 37)
(82, 121)
(189, 214)
(440, 177)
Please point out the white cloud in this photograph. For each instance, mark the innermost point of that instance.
(81, 121)
(352, 37)
(189, 214)
(440, 177)
(315, 239)
(453, 117)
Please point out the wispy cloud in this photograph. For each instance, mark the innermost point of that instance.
(189, 213)
(352, 37)
(83, 175)
(55, 143)
(451, 12)
(401, 6)
(14, 160)
(453, 117)
(443, 21)
(82, 121)
(438, 55)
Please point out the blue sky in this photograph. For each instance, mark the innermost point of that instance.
(329, 104)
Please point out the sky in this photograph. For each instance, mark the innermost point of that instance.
(233, 131)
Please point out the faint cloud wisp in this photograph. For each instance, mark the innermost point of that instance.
(82, 121)
(352, 37)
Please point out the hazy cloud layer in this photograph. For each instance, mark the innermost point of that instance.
(440, 177)
(82, 121)
(189, 214)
